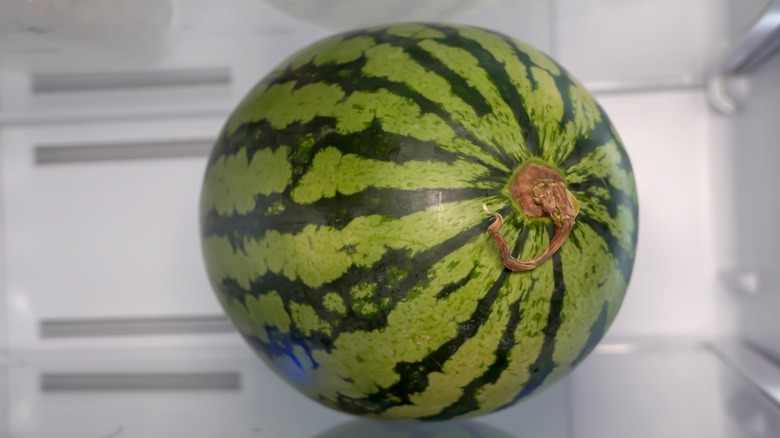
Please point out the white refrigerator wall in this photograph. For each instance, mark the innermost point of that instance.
(90, 238)
(116, 237)
(750, 264)
(673, 291)
(3, 283)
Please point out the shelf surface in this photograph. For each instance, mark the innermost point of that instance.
(622, 390)
(168, 56)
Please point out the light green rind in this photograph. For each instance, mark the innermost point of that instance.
(332, 173)
(349, 50)
(592, 278)
(538, 285)
(363, 290)
(308, 53)
(317, 255)
(543, 104)
(603, 162)
(364, 307)
(306, 320)
(334, 303)
(622, 226)
(499, 126)
(537, 57)
(241, 318)
(255, 314)
(280, 105)
(471, 361)
(233, 182)
(417, 325)
(395, 64)
(420, 31)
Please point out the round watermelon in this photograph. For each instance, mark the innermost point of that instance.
(345, 228)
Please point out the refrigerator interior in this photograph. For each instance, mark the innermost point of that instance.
(108, 110)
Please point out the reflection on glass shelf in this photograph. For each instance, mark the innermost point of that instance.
(378, 429)
(349, 14)
(611, 44)
(528, 20)
(617, 392)
(5, 406)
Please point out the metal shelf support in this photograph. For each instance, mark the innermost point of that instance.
(747, 55)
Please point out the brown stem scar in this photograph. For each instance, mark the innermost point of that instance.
(540, 192)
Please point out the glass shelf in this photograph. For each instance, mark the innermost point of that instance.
(621, 391)
(609, 45)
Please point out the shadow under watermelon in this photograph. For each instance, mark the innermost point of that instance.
(363, 428)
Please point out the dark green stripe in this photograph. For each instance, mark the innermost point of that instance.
(253, 136)
(428, 106)
(336, 212)
(371, 143)
(623, 258)
(562, 81)
(306, 139)
(303, 70)
(585, 145)
(497, 73)
(468, 401)
(595, 334)
(601, 135)
(617, 197)
(544, 363)
(459, 86)
(350, 79)
(414, 375)
(381, 273)
(525, 59)
(452, 287)
(310, 73)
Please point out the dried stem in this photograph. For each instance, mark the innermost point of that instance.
(542, 193)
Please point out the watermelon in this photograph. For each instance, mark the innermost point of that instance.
(344, 224)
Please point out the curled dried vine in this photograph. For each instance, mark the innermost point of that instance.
(541, 192)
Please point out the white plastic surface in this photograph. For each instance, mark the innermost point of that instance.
(102, 239)
(617, 41)
(751, 165)
(3, 297)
